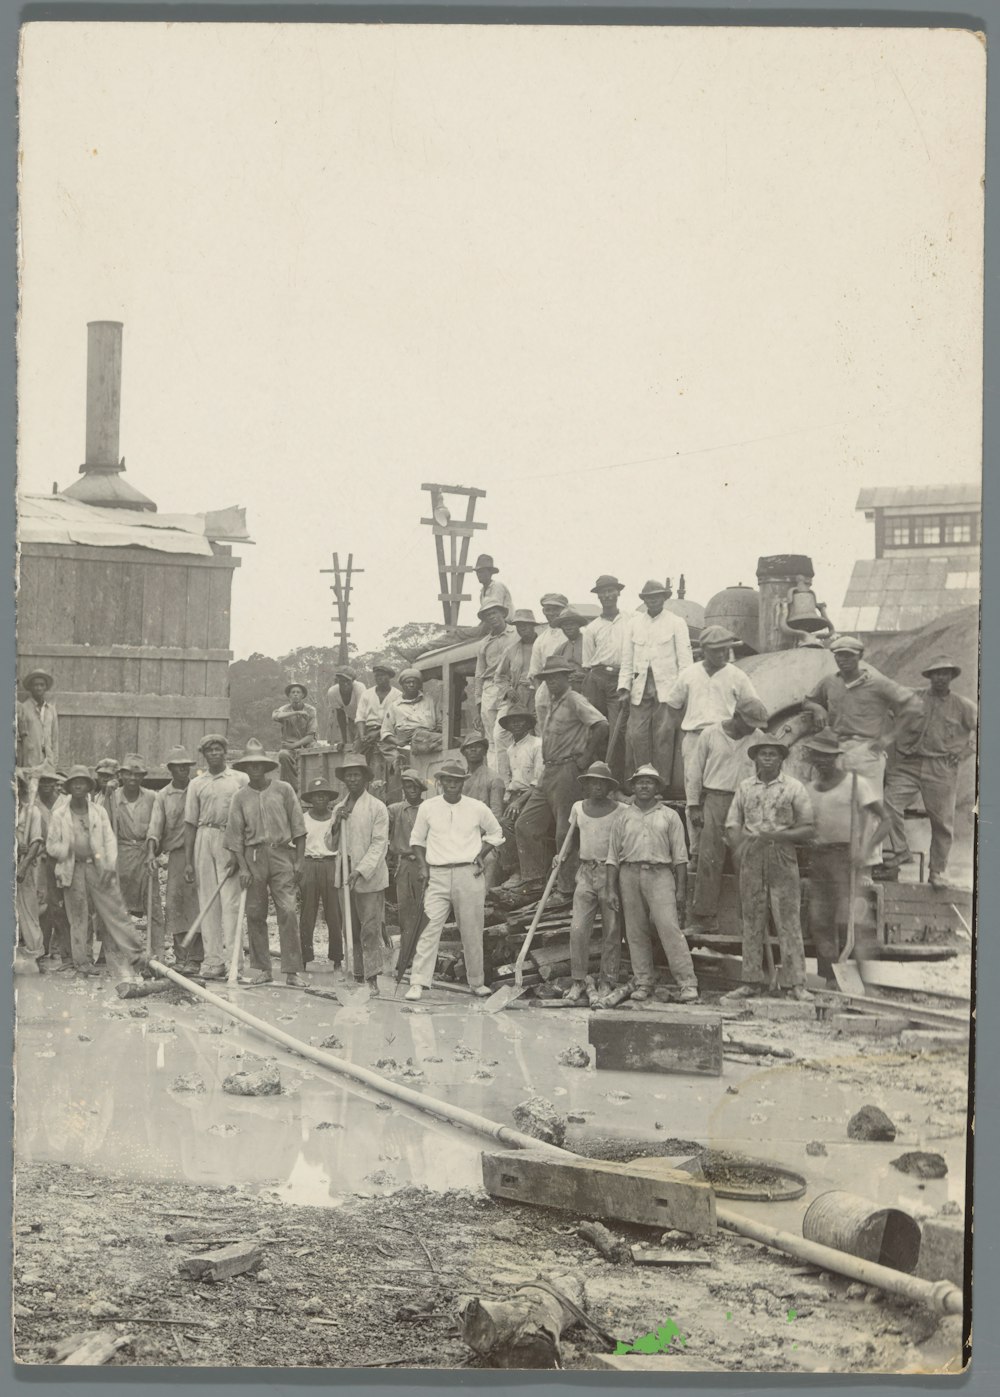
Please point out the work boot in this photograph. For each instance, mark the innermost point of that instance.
(688, 995)
(373, 988)
(641, 994)
(743, 992)
(87, 970)
(801, 994)
(213, 972)
(296, 981)
(575, 993)
(481, 991)
(414, 992)
(939, 881)
(256, 977)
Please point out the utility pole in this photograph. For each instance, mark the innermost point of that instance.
(452, 573)
(341, 589)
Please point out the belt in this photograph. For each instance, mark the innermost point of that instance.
(566, 761)
(213, 824)
(592, 863)
(468, 864)
(644, 864)
(131, 841)
(412, 857)
(606, 669)
(320, 858)
(715, 791)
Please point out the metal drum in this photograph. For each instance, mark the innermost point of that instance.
(862, 1228)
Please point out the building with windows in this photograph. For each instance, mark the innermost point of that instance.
(927, 542)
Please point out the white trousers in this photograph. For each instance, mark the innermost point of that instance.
(463, 888)
(219, 927)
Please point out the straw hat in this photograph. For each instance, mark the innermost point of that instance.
(353, 761)
(254, 755)
(296, 684)
(38, 674)
(646, 770)
(598, 771)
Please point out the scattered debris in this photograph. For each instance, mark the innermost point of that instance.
(612, 1248)
(224, 1128)
(923, 1164)
(265, 1082)
(540, 1119)
(331, 1041)
(102, 1309)
(218, 1265)
(328, 1125)
(461, 1052)
(668, 1256)
(387, 1064)
(871, 1123)
(951, 1209)
(192, 1083)
(576, 1118)
(95, 1349)
(313, 1306)
(575, 1057)
(524, 1331)
(816, 1147)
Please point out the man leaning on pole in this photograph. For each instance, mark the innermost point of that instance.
(207, 860)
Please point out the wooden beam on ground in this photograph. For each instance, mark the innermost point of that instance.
(679, 1042)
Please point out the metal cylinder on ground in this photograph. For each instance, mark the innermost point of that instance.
(847, 1222)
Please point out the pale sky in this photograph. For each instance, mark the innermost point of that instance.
(670, 296)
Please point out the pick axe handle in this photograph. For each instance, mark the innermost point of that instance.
(205, 911)
(348, 916)
(522, 954)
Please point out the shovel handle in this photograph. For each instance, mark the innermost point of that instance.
(150, 875)
(522, 954)
(205, 911)
(234, 963)
(345, 869)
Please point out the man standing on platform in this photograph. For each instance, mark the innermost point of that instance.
(343, 700)
(571, 622)
(361, 826)
(318, 877)
(402, 816)
(452, 838)
(549, 639)
(206, 815)
(413, 723)
(771, 813)
(574, 734)
(491, 651)
(37, 722)
(297, 721)
(719, 763)
(492, 592)
(130, 811)
(266, 835)
(603, 640)
(655, 648)
(372, 708)
(515, 688)
(165, 835)
(933, 740)
(704, 693)
(521, 769)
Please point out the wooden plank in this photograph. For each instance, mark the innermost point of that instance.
(454, 596)
(456, 490)
(131, 675)
(452, 530)
(199, 597)
(92, 705)
(174, 604)
(194, 729)
(219, 600)
(195, 677)
(149, 676)
(171, 734)
(149, 742)
(171, 676)
(952, 978)
(127, 739)
(49, 651)
(597, 1188)
(134, 578)
(74, 552)
(217, 678)
(656, 1043)
(152, 611)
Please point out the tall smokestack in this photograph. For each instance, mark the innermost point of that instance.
(103, 469)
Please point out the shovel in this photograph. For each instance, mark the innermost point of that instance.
(150, 875)
(234, 964)
(506, 993)
(205, 911)
(361, 994)
(848, 976)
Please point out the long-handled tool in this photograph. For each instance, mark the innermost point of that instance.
(617, 731)
(772, 974)
(361, 993)
(506, 993)
(150, 875)
(196, 924)
(847, 975)
(234, 964)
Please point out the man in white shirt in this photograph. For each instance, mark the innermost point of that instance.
(521, 767)
(603, 641)
(549, 639)
(343, 699)
(487, 691)
(655, 648)
(372, 708)
(706, 693)
(452, 836)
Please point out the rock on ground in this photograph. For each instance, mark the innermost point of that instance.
(540, 1119)
(870, 1123)
(923, 1164)
(266, 1082)
(575, 1057)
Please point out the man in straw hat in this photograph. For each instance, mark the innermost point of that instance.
(266, 834)
(318, 876)
(297, 721)
(594, 816)
(574, 736)
(483, 784)
(719, 763)
(452, 837)
(411, 728)
(572, 621)
(207, 860)
(514, 687)
(82, 845)
(487, 692)
(492, 592)
(343, 700)
(932, 741)
(361, 825)
(165, 837)
(37, 722)
(839, 839)
(603, 641)
(130, 810)
(647, 862)
(549, 639)
(655, 648)
(706, 692)
(771, 813)
(405, 862)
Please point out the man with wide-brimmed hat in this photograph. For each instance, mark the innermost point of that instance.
(720, 761)
(593, 817)
(453, 835)
(771, 813)
(655, 648)
(549, 639)
(130, 810)
(405, 862)
(486, 688)
(51, 908)
(297, 721)
(37, 722)
(318, 877)
(361, 828)
(492, 592)
(483, 784)
(411, 728)
(520, 762)
(574, 735)
(841, 838)
(83, 847)
(603, 641)
(343, 699)
(933, 739)
(706, 692)
(572, 621)
(266, 835)
(207, 860)
(165, 838)
(647, 859)
(514, 688)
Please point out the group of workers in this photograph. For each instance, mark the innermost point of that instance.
(564, 709)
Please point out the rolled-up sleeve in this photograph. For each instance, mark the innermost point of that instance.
(615, 839)
(490, 827)
(236, 826)
(421, 829)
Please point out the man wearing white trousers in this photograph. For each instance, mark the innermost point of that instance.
(208, 861)
(452, 837)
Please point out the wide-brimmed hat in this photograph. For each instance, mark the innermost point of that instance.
(133, 762)
(484, 563)
(847, 642)
(353, 761)
(318, 786)
(38, 674)
(345, 672)
(572, 615)
(598, 771)
(523, 616)
(652, 588)
(179, 756)
(554, 664)
(47, 773)
(384, 667)
(941, 662)
(80, 773)
(646, 770)
(606, 581)
(474, 739)
(517, 712)
(296, 684)
(491, 606)
(211, 737)
(765, 740)
(751, 710)
(452, 769)
(410, 775)
(826, 740)
(410, 673)
(554, 599)
(717, 635)
(254, 755)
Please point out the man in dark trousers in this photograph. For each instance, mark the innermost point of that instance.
(603, 640)
(165, 835)
(318, 876)
(297, 721)
(361, 828)
(52, 912)
(404, 860)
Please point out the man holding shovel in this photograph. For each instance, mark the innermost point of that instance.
(361, 828)
(165, 835)
(771, 813)
(592, 819)
(206, 814)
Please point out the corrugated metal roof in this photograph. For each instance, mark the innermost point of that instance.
(901, 594)
(897, 496)
(56, 519)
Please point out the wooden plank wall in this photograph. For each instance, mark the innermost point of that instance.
(138, 643)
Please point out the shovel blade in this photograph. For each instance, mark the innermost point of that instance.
(848, 977)
(500, 998)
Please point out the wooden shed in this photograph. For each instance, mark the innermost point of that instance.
(126, 607)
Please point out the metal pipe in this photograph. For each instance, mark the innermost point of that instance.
(104, 394)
